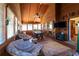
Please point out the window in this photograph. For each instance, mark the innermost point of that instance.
(1, 24)
(24, 27)
(29, 26)
(45, 26)
(10, 23)
(50, 26)
(39, 26)
(19, 25)
(16, 25)
(35, 26)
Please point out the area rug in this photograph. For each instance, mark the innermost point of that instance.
(53, 48)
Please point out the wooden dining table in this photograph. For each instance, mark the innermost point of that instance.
(38, 35)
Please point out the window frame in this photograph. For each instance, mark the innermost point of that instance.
(13, 22)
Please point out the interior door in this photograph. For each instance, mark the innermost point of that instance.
(72, 23)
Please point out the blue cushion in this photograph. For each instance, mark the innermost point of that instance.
(23, 45)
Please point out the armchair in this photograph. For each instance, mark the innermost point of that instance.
(31, 51)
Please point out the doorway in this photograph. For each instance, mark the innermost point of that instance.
(74, 29)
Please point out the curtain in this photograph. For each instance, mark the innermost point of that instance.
(1, 24)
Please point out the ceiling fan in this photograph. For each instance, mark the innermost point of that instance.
(37, 18)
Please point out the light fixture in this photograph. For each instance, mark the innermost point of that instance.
(37, 18)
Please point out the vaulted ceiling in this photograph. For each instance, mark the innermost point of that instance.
(45, 11)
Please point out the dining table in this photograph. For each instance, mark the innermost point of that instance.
(38, 34)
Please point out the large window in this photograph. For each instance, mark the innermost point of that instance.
(24, 27)
(10, 23)
(50, 26)
(35, 26)
(19, 25)
(1, 24)
(45, 26)
(39, 27)
(16, 25)
(29, 26)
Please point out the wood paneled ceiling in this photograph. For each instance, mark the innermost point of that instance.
(28, 11)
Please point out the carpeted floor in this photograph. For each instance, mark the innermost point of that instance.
(51, 47)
